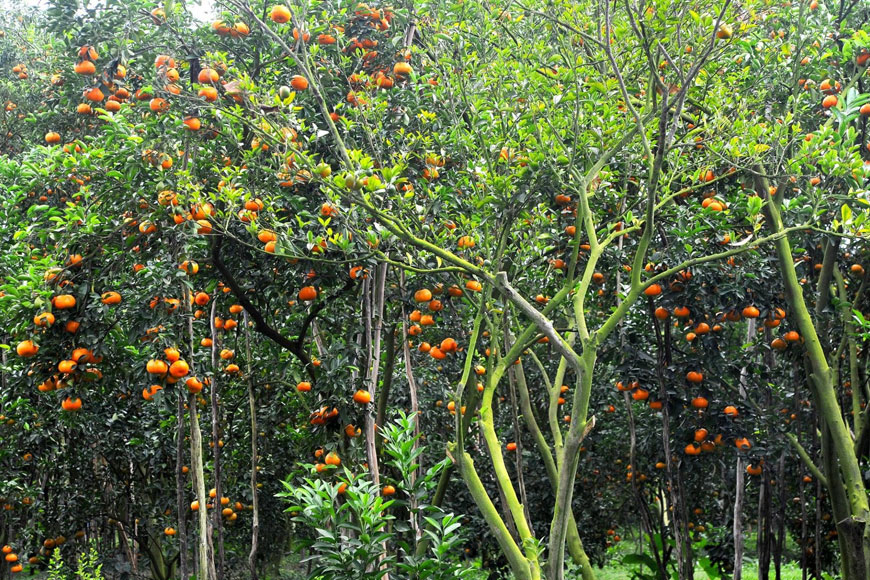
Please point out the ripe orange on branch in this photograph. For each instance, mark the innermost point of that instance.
(157, 367)
(27, 349)
(280, 14)
(307, 293)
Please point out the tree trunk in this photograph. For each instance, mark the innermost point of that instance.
(215, 440)
(252, 404)
(515, 424)
(413, 501)
(763, 532)
(373, 295)
(181, 506)
(825, 399)
(680, 521)
(205, 560)
(573, 543)
(640, 503)
(779, 517)
(738, 519)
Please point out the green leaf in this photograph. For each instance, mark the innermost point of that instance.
(846, 213)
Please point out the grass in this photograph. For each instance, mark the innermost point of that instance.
(615, 571)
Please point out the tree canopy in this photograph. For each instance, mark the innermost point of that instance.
(435, 289)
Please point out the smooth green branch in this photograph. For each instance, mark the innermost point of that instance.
(541, 322)
(805, 457)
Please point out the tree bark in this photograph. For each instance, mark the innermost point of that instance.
(779, 517)
(738, 519)
(205, 560)
(181, 508)
(642, 508)
(763, 533)
(374, 300)
(215, 439)
(252, 405)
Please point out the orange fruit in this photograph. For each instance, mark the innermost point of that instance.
(751, 312)
(158, 105)
(71, 404)
(27, 349)
(85, 67)
(307, 293)
(208, 76)
(44, 319)
(299, 83)
(179, 369)
(700, 403)
(192, 123)
(110, 298)
(194, 385)
(401, 69)
(280, 14)
(157, 367)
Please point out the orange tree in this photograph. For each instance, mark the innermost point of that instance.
(536, 129)
(811, 160)
(498, 197)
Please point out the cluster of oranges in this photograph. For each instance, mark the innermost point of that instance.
(229, 509)
(48, 545)
(433, 305)
(80, 368)
(169, 371)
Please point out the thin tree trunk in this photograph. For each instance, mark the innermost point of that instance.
(128, 551)
(521, 482)
(252, 403)
(215, 439)
(573, 543)
(374, 297)
(779, 517)
(413, 502)
(804, 531)
(515, 410)
(181, 508)
(763, 533)
(374, 325)
(817, 535)
(763, 538)
(817, 524)
(205, 561)
(738, 519)
(680, 521)
(847, 464)
(386, 385)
